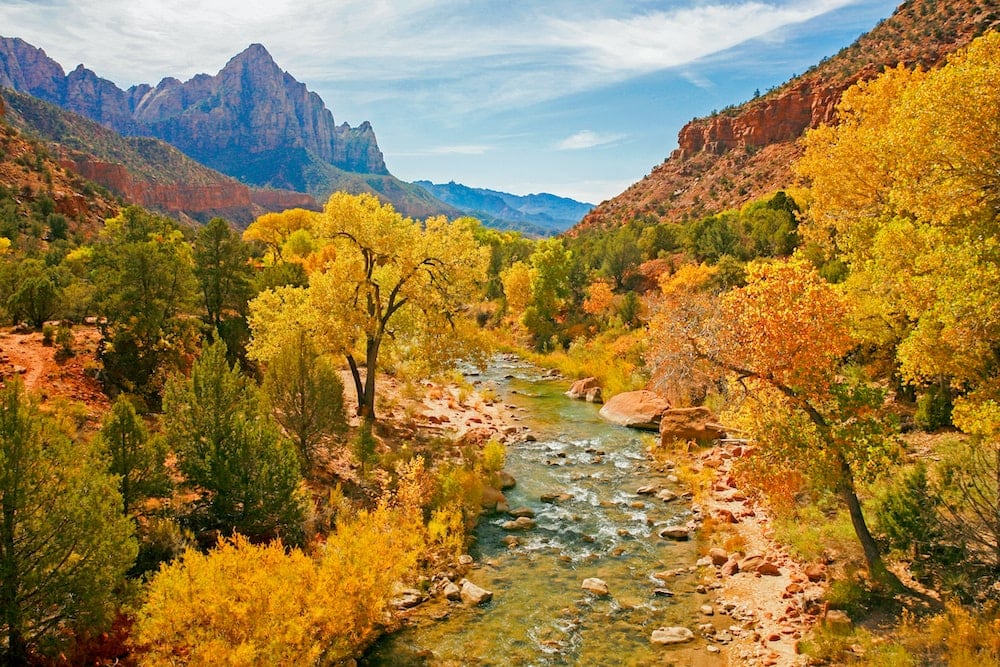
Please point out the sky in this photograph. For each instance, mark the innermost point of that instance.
(579, 98)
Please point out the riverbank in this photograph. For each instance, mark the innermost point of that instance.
(772, 600)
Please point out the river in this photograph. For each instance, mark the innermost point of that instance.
(539, 614)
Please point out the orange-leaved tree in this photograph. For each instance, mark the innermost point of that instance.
(783, 338)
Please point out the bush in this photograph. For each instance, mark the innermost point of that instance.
(933, 409)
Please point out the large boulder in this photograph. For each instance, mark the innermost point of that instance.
(595, 586)
(587, 389)
(685, 424)
(637, 409)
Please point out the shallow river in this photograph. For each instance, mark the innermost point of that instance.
(539, 614)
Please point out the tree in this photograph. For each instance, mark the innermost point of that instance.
(783, 337)
(232, 452)
(306, 396)
(389, 282)
(221, 264)
(142, 271)
(64, 544)
(137, 460)
(274, 229)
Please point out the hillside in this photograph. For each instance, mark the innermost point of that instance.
(535, 214)
(746, 151)
(251, 121)
(35, 186)
(143, 170)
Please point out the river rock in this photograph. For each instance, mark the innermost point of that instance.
(474, 595)
(647, 490)
(595, 586)
(518, 512)
(666, 495)
(674, 635)
(708, 610)
(492, 497)
(815, 572)
(769, 569)
(520, 523)
(408, 599)
(580, 388)
(676, 533)
(730, 567)
(718, 555)
(751, 563)
(636, 409)
(683, 424)
(555, 497)
(466, 560)
(507, 480)
(451, 591)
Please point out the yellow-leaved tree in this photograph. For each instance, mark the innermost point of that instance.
(385, 283)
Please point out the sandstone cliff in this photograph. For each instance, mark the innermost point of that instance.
(747, 152)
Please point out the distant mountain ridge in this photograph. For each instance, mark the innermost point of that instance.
(251, 121)
(745, 152)
(535, 214)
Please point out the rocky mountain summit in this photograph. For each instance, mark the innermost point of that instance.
(745, 152)
(251, 121)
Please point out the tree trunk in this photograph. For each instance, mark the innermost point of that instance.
(367, 410)
(876, 568)
(358, 387)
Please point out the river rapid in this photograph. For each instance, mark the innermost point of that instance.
(539, 615)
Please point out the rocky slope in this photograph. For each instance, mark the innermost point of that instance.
(535, 214)
(251, 121)
(747, 151)
(142, 170)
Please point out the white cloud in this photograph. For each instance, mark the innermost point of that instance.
(587, 139)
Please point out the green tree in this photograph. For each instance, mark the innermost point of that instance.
(306, 396)
(221, 265)
(64, 544)
(136, 459)
(142, 271)
(35, 292)
(231, 451)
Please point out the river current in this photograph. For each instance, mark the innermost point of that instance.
(600, 528)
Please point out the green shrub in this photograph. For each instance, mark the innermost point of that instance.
(933, 409)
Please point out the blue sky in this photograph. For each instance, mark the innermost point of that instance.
(580, 98)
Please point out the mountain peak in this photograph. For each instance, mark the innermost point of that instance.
(255, 54)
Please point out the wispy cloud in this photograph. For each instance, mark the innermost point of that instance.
(587, 139)
(465, 149)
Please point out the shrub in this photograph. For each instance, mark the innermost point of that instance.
(933, 409)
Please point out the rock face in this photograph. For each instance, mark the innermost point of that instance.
(746, 152)
(251, 121)
(685, 424)
(637, 409)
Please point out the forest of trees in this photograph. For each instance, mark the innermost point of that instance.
(829, 322)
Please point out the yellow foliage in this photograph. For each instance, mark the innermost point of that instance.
(274, 229)
(246, 604)
(599, 298)
(517, 287)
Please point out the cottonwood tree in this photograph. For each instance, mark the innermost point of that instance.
(385, 282)
(64, 543)
(783, 337)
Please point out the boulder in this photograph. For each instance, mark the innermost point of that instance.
(677, 533)
(815, 571)
(769, 569)
(674, 635)
(507, 480)
(492, 497)
(522, 511)
(666, 495)
(595, 586)
(683, 424)
(520, 523)
(408, 599)
(636, 409)
(474, 595)
(837, 621)
(452, 591)
(595, 395)
(581, 388)
(718, 555)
